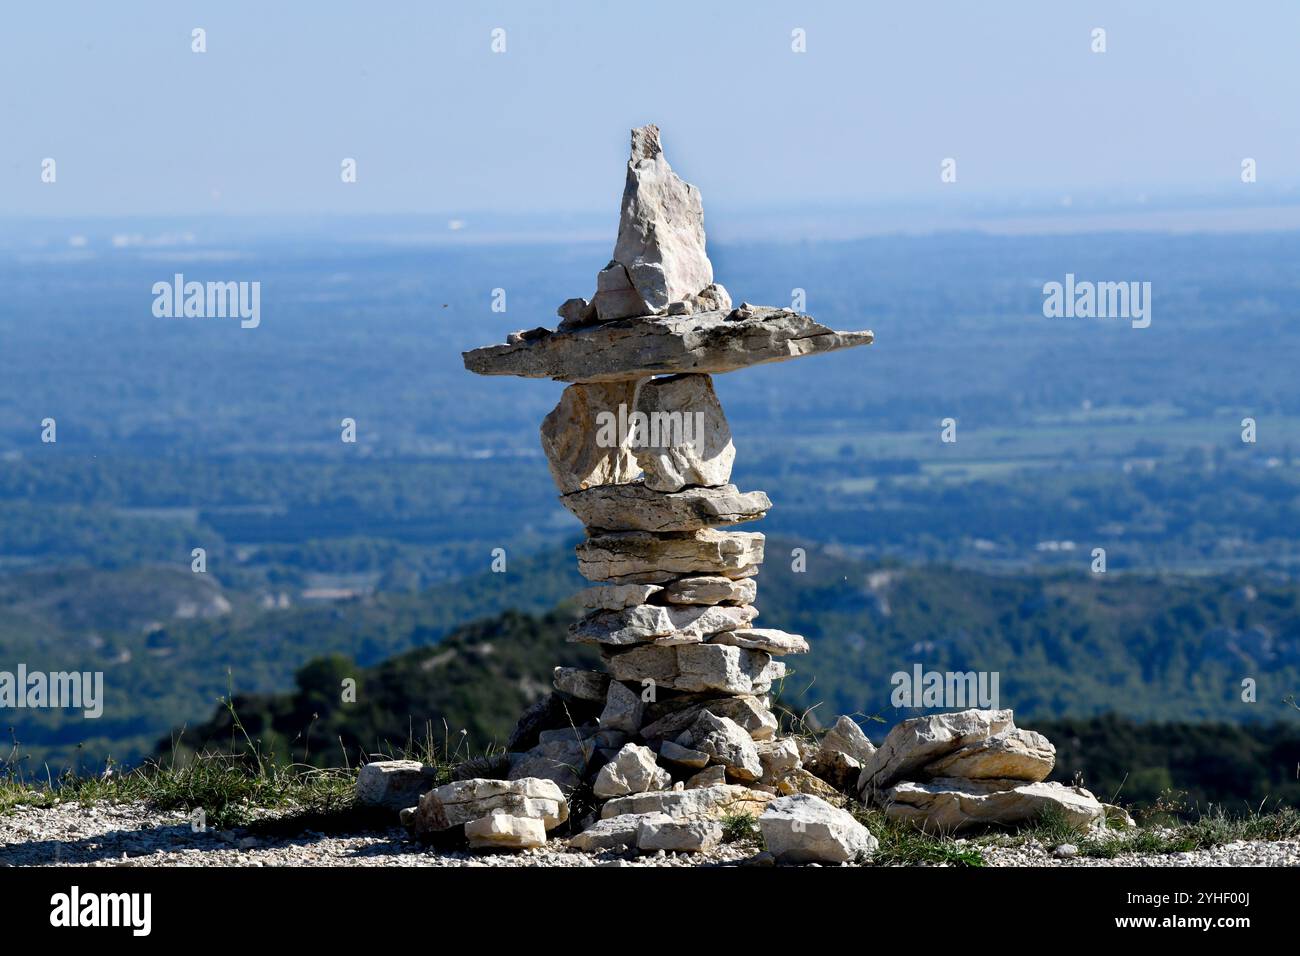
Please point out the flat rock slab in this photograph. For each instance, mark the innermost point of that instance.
(699, 803)
(671, 718)
(663, 344)
(762, 639)
(1014, 754)
(461, 802)
(950, 805)
(660, 624)
(641, 557)
(636, 507)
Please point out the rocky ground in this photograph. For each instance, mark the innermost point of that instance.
(132, 835)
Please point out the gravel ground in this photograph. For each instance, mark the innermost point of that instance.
(132, 835)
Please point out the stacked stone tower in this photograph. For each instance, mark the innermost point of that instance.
(641, 452)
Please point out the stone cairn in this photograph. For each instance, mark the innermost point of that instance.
(677, 732)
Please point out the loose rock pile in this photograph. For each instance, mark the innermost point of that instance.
(676, 733)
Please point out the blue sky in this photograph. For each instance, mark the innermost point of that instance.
(141, 126)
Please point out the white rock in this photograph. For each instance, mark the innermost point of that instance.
(684, 756)
(805, 829)
(715, 802)
(461, 801)
(661, 227)
(687, 624)
(697, 668)
(847, 737)
(1014, 754)
(614, 832)
(750, 712)
(395, 784)
(708, 777)
(688, 440)
(571, 437)
(951, 805)
(679, 836)
(639, 557)
(502, 831)
(623, 709)
(615, 296)
(633, 770)
(637, 507)
(767, 639)
(710, 589)
(914, 743)
(613, 597)
(778, 758)
(727, 743)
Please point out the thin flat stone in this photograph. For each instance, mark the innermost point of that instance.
(662, 345)
(640, 557)
(767, 639)
(635, 507)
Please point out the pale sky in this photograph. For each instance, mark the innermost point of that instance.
(141, 126)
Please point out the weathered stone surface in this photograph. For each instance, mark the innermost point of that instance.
(614, 597)
(615, 297)
(914, 743)
(661, 228)
(502, 831)
(570, 434)
(712, 298)
(679, 836)
(580, 684)
(836, 768)
(455, 804)
(708, 777)
(563, 761)
(623, 709)
(727, 743)
(847, 737)
(710, 589)
(673, 752)
(762, 639)
(686, 440)
(612, 832)
(684, 624)
(715, 802)
(950, 805)
(670, 719)
(634, 348)
(800, 780)
(806, 829)
(697, 667)
(1014, 754)
(395, 784)
(639, 557)
(778, 758)
(637, 507)
(575, 313)
(633, 770)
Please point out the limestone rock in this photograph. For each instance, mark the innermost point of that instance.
(714, 802)
(671, 718)
(395, 784)
(623, 709)
(639, 557)
(678, 836)
(704, 342)
(914, 743)
(572, 437)
(458, 803)
(637, 507)
(562, 761)
(502, 831)
(712, 298)
(697, 668)
(951, 805)
(708, 777)
(836, 768)
(800, 780)
(576, 313)
(711, 589)
(806, 829)
(1014, 754)
(684, 756)
(687, 440)
(762, 639)
(644, 623)
(580, 684)
(846, 737)
(615, 297)
(614, 597)
(727, 743)
(661, 228)
(633, 770)
(613, 832)
(778, 758)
